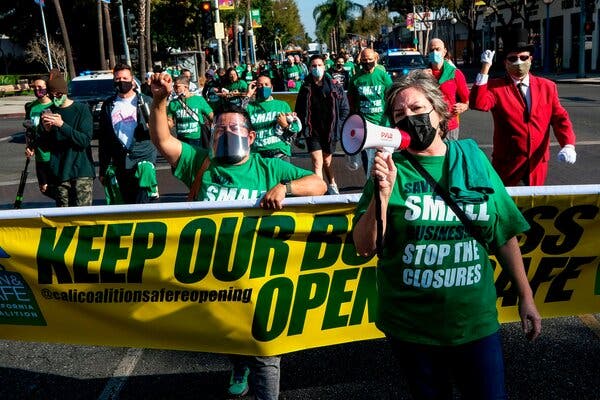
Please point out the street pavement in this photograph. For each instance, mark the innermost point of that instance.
(563, 364)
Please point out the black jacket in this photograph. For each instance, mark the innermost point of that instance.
(338, 114)
(112, 150)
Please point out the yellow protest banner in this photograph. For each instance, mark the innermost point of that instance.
(233, 278)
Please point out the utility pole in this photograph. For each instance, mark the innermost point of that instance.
(581, 67)
(123, 34)
(219, 41)
(41, 3)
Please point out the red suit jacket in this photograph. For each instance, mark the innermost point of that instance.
(523, 146)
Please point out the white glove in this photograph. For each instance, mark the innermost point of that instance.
(567, 154)
(487, 57)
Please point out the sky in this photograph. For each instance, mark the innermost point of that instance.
(306, 8)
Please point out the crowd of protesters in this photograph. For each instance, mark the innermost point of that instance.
(229, 126)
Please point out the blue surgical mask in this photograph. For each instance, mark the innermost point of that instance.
(263, 93)
(317, 72)
(435, 57)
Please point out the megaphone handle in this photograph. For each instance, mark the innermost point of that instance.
(378, 220)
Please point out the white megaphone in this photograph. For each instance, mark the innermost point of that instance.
(359, 134)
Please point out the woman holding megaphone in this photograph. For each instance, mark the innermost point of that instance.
(443, 210)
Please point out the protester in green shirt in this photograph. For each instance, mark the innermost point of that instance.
(366, 93)
(291, 75)
(229, 171)
(33, 111)
(270, 119)
(66, 133)
(188, 114)
(435, 281)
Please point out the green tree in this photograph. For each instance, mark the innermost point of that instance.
(332, 19)
(66, 41)
(370, 22)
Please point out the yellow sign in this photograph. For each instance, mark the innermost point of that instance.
(244, 280)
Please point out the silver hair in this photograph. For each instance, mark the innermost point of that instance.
(425, 83)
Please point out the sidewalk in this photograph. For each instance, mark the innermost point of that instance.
(14, 106)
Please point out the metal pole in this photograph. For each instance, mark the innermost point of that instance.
(547, 40)
(46, 34)
(123, 34)
(415, 40)
(251, 45)
(219, 41)
(240, 45)
(581, 68)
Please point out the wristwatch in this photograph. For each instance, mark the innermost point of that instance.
(288, 186)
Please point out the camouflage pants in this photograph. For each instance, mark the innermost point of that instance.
(75, 192)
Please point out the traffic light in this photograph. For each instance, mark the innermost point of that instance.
(206, 19)
(132, 25)
(589, 27)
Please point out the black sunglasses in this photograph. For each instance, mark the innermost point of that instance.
(514, 58)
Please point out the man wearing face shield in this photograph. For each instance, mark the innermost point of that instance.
(124, 145)
(524, 107)
(452, 83)
(229, 171)
(366, 93)
(66, 133)
(273, 120)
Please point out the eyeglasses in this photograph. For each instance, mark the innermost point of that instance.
(238, 129)
(514, 58)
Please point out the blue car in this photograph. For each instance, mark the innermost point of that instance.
(398, 62)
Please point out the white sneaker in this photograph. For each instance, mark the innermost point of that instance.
(332, 189)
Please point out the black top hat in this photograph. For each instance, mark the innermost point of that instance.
(517, 40)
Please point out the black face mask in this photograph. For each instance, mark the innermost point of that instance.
(123, 86)
(39, 93)
(367, 66)
(231, 148)
(420, 130)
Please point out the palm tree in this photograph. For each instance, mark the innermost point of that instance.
(65, 36)
(109, 36)
(141, 17)
(332, 19)
(148, 38)
(101, 51)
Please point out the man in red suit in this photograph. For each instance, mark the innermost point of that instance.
(524, 107)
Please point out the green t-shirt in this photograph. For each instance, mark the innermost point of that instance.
(33, 112)
(239, 85)
(247, 181)
(435, 282)
(292, 73)
(185, 125)
(350, 67)
(368, 92)
(264, 119)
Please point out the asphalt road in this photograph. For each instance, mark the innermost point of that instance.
(564, 363)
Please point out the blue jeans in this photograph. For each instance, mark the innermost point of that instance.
(264, 374)
(477, 368)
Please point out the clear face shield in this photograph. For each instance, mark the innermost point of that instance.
(229, 141)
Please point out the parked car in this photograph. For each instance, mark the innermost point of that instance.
(399, 62)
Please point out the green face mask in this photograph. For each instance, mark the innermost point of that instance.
(59, 101)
